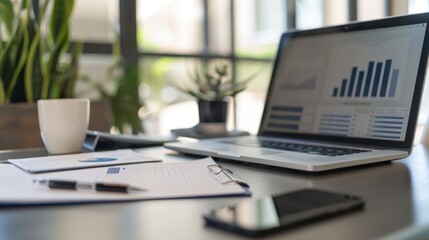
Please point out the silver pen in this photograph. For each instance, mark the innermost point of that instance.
(97, 186)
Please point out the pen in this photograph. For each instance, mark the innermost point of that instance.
(236, 179)
(97, 186)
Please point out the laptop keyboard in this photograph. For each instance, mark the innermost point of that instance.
(303, 148)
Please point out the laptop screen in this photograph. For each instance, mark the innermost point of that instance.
(349, 83)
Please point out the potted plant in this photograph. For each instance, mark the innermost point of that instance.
(37, 60)
(212, 88)
(124, 98)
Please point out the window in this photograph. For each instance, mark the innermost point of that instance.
(94, 26)
(170, 26)
(418, 6)
(335, 12)
(171, 35)
(309, 14)
(97, 29)
(370, 9)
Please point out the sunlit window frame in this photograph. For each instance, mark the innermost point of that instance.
(132, 54)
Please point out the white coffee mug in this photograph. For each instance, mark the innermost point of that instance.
(63, 124)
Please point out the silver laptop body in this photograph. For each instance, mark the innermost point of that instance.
(339, 96)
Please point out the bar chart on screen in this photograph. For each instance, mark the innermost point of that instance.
(378, 80)
(373, 71)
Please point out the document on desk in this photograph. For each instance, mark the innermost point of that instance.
(191, 179)
(80, 160)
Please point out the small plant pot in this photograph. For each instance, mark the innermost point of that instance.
(212, 116)
(212, 111)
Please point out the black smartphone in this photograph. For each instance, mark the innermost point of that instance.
(273, 213)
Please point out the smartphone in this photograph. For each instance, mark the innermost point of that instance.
(272, 213)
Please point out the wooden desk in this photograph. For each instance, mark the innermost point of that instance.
(396, 194)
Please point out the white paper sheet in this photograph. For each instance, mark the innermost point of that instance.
(80, 160)
(162, 180)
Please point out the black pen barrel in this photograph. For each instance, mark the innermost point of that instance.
(62, 184)
(105, 187)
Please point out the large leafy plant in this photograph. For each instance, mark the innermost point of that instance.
(36, 57)
(124, 99)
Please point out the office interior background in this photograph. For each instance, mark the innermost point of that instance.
(166, 37)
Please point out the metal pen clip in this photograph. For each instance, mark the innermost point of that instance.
(225, 176)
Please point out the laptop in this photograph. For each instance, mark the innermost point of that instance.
(339, 96)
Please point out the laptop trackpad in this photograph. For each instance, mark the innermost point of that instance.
(239, 151)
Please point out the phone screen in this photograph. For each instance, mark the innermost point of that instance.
(274, 212)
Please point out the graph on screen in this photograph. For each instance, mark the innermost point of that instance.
(375, 70)
(377, 80)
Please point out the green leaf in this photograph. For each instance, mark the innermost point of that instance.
(59, 26)
(31, 63)
(7, 15)
(195, 76)
(60, 18)
(125, 102)
(28, 76)
(23, 56)
(42, 11)
(221, 69)
(73, 70)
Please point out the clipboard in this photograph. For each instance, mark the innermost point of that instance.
(191, 179)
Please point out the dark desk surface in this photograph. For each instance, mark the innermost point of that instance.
(396, 194)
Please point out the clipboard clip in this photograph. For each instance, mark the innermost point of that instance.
(224, 175)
